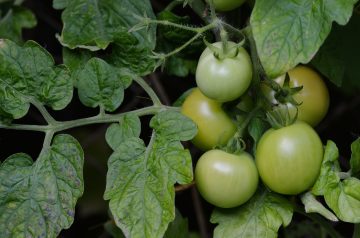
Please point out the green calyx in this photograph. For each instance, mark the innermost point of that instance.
(281, 116)
(236, 145)
(225, 51)
(285, 94)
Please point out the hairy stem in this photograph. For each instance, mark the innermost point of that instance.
(169, 23)
(257, 68)
(212, 10)
(224, 39)
(177, 50)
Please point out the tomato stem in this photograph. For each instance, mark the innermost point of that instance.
(236, 144)
(344, 175)
(155, 99)
(212, 10)
(183, 187)
(224, 39)
(245, 123)
(44, 112)
(99, 119)
(199, 32)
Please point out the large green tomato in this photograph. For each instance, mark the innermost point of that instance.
(224, 79)
(289, 159)
(226, 180)
(215, 127)
(314, 97)
(227, 5)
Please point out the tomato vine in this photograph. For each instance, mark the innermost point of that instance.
(232, 99)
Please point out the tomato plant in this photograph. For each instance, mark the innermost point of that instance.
(215, 127)
(96, 123)
(313, 99)
(226, 180)
(224, 79)
(289, 158)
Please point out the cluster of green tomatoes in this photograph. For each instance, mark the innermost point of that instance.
(287, 159)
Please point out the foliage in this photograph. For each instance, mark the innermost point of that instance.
(111, 50)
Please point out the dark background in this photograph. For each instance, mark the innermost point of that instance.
(342, 125)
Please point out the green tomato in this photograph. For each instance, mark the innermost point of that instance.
(289, 159)
(224, 79)
(215, 127)
(227, 5)
(314, 97)
(226, 180)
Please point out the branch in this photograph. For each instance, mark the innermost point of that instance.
(155, 99)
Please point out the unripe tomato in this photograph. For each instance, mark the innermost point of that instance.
(227, 5)
(215, 127)
(226, 180)
(314, 97)
(224, 79)
(289, 159)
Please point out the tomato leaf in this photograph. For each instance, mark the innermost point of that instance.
(28, 75)
(344, 199)
(133, 57)
(14, 2)
(170, 38)
(75, 60)
(174, 126)
(60, 4)
(355, 157)
(290, 32)
(129, 126)
(100, 84)
(179, 228)
(256, 129)
(37, 199)
(12, 23)
(262, 216)
(180, 67)
(313, 205)
(140, 180)
(328, 61)
(304, 228)
(113, 230)
(337, 57)
(342, 196)
(329, 168)
(95, 24)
